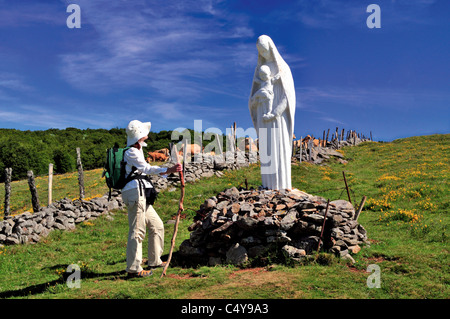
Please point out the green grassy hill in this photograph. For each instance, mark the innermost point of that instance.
(406, 216)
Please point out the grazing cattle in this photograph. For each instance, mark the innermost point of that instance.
(297, 143)
(304, 142)
(164, 151)
(245, 144)
(191, 149)
(157, 157)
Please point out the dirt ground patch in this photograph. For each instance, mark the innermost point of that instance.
(184, 276)
(248, 281)
(255, 271)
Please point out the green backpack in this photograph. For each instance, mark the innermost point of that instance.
(114, 170)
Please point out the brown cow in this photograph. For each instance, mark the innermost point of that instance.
(157, 157)
(245, 144)
(315, 141)
(304, 142)
(191, 149)
(164, 151)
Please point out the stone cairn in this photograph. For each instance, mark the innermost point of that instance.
(237, 225)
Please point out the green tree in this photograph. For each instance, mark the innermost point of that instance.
(63, 161)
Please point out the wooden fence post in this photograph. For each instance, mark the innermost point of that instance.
(309, 149)
(33, 190)
(360, 208)
(8, 173)
(50, 183)
(80, 174)
(327, 136)
(323, 139)
(346, 186)
(301, 148)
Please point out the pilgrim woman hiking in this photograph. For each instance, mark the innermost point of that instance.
(141, 214)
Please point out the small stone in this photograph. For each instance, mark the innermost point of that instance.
(235, 208)
(343, 252)
(223, 204)
(10, 240)
(352, 223)
(348, 258)
(237, 255)
(294, 252)
(59, 226)
(289, 220)
(232, 192)
(341, 244)
(315, 218)
(336, 220)
(246, 208)
(346, 229)
(336, 249)
(354, 249)
(246, 223)
(278, 239)
(209, 203)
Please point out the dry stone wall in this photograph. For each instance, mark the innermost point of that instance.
(319, 154)
(64, 214)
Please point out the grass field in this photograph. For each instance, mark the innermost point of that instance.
(406, 216)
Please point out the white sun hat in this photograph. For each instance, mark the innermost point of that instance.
(137, 130)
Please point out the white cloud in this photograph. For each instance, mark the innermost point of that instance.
(173, 49)
(331, 120)
(12, 81)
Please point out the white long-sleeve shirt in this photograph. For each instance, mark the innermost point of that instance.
(135, 157)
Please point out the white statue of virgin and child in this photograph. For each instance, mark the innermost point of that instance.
(272, 108)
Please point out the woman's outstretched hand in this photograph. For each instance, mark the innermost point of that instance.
(174, 169)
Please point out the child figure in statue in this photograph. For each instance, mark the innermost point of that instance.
(264, 96)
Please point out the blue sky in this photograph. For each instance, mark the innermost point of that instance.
(173, 62)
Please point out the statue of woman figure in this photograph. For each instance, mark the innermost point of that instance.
(274, 129)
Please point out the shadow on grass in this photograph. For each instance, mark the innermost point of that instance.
(40, 288)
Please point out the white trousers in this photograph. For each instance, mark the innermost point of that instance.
(141, 217)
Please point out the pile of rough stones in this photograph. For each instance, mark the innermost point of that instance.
(237, 225)
(64, 214)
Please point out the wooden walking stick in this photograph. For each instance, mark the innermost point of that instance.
(174, 154)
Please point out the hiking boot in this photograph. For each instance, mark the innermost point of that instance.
(163, 264)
